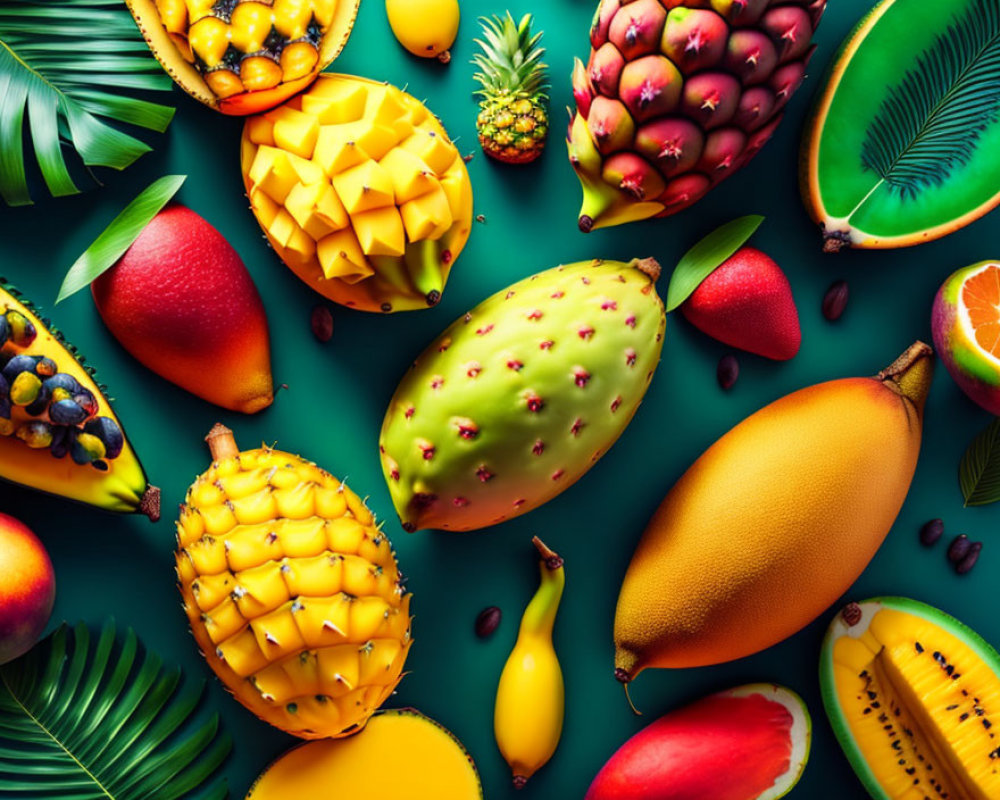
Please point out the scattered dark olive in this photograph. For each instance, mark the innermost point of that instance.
(728, 371)
(931, 532)
(488, 621)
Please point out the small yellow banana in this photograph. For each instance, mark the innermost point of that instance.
(528, 718)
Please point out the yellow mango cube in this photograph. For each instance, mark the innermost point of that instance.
(272, 173)
(330, 210)
(380, 232)
(411, 177)
(295, 131)
(428, 216)
(260, 130)
(432, 148)
(282, 228)
(385, 105)
(301, 246)
(336, 150)
(364, 187)
(374, 139)
(308, 171)
(342, 103)
(302, 199)
(340, 257)
(263, 206)
(459, 190)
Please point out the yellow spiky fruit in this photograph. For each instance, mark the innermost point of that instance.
(292, 591)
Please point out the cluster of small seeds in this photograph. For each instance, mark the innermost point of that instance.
(46, 408)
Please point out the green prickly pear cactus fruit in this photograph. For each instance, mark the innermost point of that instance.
(516, 400)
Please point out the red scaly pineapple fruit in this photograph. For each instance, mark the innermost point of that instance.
(678, 95)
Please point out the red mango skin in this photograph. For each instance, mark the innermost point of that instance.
(27, 588)
(747, 303)
(719, 748)
(182, 302)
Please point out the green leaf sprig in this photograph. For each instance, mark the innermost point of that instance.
(104, 720)
(119, 236)
(979, 470)
(701, 260)
(58, 61)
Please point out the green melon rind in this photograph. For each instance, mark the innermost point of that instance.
(801, 733)
(842, 228)
(828, 689)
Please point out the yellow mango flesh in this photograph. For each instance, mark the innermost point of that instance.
(770, 525)
(399, 754)
(378, 150)
(922, 707)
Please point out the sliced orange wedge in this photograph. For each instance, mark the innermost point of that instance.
(979, 308)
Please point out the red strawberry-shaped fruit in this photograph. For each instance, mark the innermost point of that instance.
(747, 303)
(181, 301)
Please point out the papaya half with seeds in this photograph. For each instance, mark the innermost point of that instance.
(904, 142)
(58, 433)
(913, 696)
(244, 56)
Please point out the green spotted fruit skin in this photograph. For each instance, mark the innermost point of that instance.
(520, 397)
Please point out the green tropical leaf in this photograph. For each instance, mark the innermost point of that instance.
(104, 720)
(707, 255)
(930, 123)
(58, 61)
(120, 234)
(979, 470)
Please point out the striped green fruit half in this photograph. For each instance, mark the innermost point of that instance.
(904, 143)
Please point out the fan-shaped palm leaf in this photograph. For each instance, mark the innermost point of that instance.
(103, 720)
(931, 122)
(58, 58)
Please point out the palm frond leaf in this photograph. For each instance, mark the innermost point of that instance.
(63, 67)
(104, 720)
(931, 122)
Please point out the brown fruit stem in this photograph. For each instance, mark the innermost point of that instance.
(835, 241)
(149, 503)
(520, 781)
(552, 559)
(221, 442)
(910, 375)
(444, 57)
(649, 266)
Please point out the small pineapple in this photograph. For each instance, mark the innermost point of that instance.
(292, 591)
(513, 122)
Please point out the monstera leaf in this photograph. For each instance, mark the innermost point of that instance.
(62, 66)
(103, 720)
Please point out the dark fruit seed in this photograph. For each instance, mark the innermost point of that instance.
(970, 558)
(959, 548)
(66, 412)
(487, 621)
(728, 371)
(931, 532)
(321, 323)
(835, 301)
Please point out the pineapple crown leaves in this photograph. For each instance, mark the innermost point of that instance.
(84, 717)
(931, 122)
(511, 61)
(58, 61)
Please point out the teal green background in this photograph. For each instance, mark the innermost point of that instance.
(332, 409)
